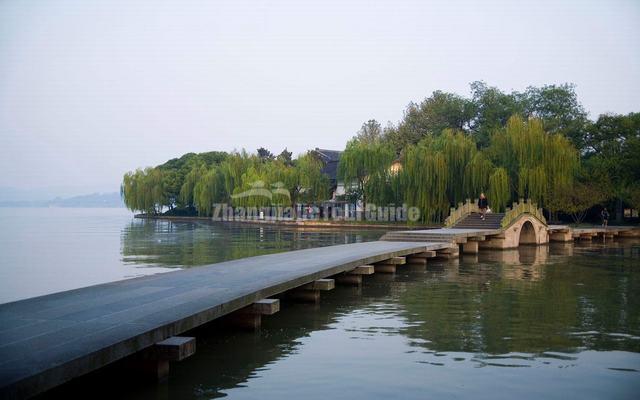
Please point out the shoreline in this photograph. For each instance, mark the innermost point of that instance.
(295, 224)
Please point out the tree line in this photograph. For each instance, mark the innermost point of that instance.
(195, 182)
(536, 144)
(520, 161)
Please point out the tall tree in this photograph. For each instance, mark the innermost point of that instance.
(499, 190)
(576, 200)
(190, 181)
(431, 117)
(314, 183)
(265, 155)
(233, 168)
(254, 189)
(143, 190)
(493, 110)
(370, 132)
(559, 109)
(612, 147)
(425, 178)
(285, 157)
(537, 162)
(208, 190)
(360, 162)
(175, 171)
(442, 171)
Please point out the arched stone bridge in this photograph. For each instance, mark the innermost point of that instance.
(524, 229)
(521, 224)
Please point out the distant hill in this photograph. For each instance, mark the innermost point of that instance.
(109, 200)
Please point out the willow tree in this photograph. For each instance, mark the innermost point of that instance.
(538, 163)
(442, 171)
(302, 180)
(284, 181)
(499, 190)
(209, 189)
(425, 177)
(378, 190)
(190, 181)
(459, 150)
(477, 174)
(254, 189)
(314, 183)
(143, 190)
(233, 168)
(129, 190)
(363, 164)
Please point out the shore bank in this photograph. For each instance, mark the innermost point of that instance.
(306, 224)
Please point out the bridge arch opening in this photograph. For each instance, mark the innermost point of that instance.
(527, 234)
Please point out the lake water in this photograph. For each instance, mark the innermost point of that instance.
(47, 250)
(561, 321)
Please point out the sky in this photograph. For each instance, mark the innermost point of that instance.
(92, 89)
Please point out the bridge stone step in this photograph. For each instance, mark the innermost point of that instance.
(478, 226)
(475, 221)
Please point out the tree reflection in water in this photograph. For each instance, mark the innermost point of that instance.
(185, 244)
(566, 308)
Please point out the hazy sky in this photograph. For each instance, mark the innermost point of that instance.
(91, 89)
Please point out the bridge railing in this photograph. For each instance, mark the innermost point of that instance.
(458, 214)
(521, 207)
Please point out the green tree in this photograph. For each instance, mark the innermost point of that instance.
(557, 106)
(190, 181)
(576, 200)
(285, 157)
(425, 177)
(143, 190)
(537, 162)
(233, 168)
(254, 189)
(476, 174)
(314, 183)
(613, 146)
(559, 109)
(493, 110)
(370, 132)
(302, 181)
(175, 171)
(431, 117)
(362, 164)
(286, 183)
(442, 171)
(265, 155)
(459, 150)
(208, 190)
(499, 190)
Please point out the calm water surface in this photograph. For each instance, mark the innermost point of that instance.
(561, 321)
(47, 250)
(554, 322)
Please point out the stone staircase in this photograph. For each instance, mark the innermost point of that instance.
(474, 221)
(431, 235)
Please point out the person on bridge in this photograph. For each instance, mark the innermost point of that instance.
(483, 204)
(605, 217)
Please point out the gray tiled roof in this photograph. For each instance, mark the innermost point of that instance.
(331, 158)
